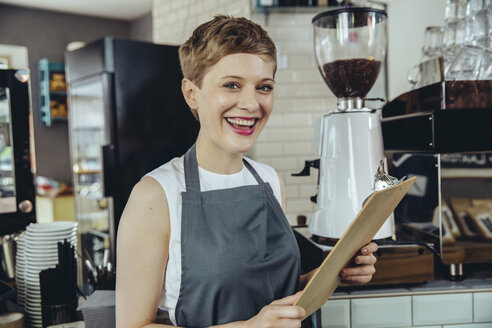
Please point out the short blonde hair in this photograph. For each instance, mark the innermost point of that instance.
(219, 37)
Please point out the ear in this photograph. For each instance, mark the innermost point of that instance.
(189, 90)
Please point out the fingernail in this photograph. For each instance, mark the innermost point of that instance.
(364, 251)
(357, 260)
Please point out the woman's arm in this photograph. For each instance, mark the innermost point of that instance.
(142, 253)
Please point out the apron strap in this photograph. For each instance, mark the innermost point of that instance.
(192, 179)
(253, 172)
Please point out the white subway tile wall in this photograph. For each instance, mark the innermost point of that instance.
(301, 96)
(174, 20)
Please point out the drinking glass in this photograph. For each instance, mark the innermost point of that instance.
(432, 48)
(467, 64)
(454, 32)
(477, 18)
(414, 76)
(486, 68)
(450, 11)
(432, 42)
(471, 60)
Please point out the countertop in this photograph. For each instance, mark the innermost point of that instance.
(468, 285)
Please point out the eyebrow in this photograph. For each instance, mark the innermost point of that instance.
(241, 78)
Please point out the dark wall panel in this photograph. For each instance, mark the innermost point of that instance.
(141, 28)
(46, 34)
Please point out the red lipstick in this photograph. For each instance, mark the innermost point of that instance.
(244, 131)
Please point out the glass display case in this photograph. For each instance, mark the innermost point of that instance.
(440, 133)
(16, 178)
(126, 117)
(7, 171)
(88, 134)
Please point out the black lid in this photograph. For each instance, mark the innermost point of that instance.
(360, 11)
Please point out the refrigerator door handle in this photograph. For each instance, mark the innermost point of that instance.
(109, 170)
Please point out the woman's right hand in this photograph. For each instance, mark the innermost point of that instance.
(280, 313)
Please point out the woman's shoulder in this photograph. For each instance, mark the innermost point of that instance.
(147, 202)
(175, 165)
(170, 173)
(169, 177)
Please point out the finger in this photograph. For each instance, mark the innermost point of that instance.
(363, 270)
(288, 323)
(357, 280)
(369, 248)
(289, 300)
(366, 259)
(275, 312)
(289, 311)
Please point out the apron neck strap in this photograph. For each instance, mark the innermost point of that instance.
(253, 172)
(192, 179)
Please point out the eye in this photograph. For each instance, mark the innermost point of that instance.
(231, 85)
(265, 88)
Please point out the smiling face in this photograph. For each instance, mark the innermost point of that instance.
(233, 103)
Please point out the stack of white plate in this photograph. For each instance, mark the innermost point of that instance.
(41, 252)
(20, 268)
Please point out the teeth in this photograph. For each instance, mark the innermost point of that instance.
(239, 121)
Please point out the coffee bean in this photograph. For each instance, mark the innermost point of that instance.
(351, 78)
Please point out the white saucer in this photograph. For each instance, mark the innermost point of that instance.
(52, 226)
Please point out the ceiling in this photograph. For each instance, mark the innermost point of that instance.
(116, 9)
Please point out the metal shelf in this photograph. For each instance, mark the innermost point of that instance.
(290, 10)
(306, 9)
(45, 69)
(439, 131)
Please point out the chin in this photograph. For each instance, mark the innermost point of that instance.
(241, 147)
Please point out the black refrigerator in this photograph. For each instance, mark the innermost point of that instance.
(127, 116)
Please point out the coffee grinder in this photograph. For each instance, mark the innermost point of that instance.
(350, 46)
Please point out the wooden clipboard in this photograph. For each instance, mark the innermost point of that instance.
(376, 209)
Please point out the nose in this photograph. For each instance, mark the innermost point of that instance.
(248, 100)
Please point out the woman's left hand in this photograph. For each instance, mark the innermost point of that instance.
(364, 269)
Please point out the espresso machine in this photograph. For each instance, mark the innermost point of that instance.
(350, 47)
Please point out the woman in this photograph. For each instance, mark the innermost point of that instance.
(204, 236)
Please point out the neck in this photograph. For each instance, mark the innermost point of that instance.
(212, 158)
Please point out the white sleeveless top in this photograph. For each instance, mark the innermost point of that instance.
(171, 178)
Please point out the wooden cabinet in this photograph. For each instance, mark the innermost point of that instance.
(52, 92)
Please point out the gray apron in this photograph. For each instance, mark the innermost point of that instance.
(238, 252)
